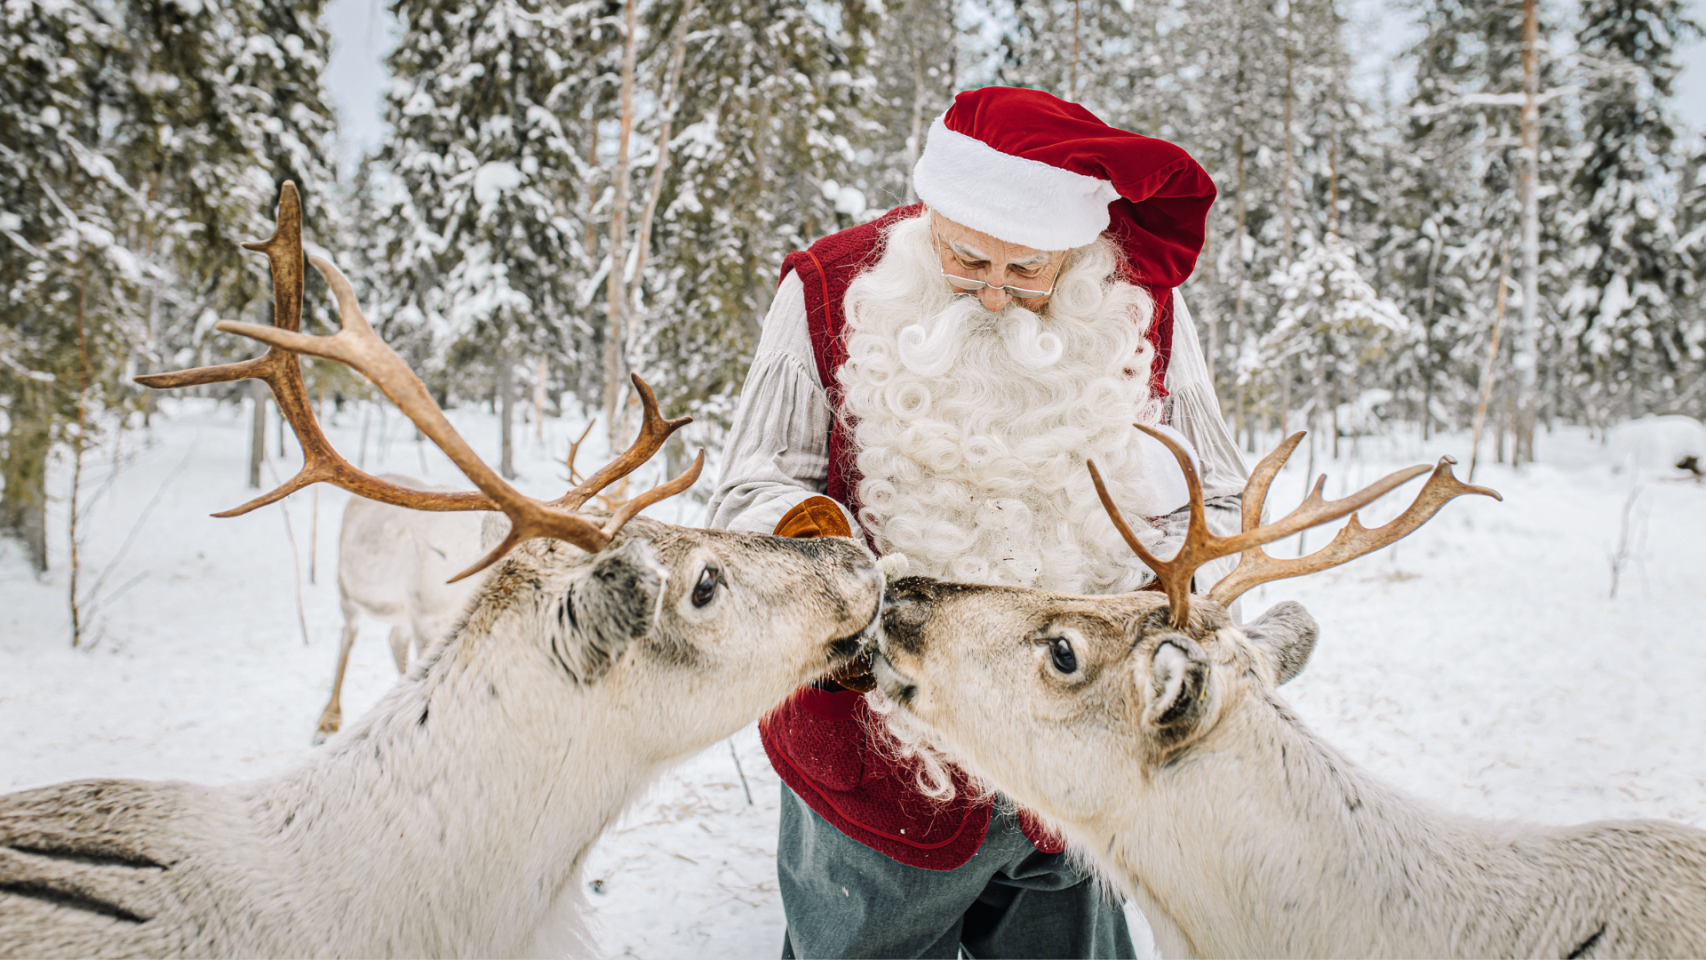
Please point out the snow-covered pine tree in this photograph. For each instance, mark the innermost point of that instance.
(914, 60)
(1457, 198)
(68, 281)
(141, 136)
(1636, 341)
(1212, 77)
(1690, 398)
(480, 234)
(771, 117)
(1332, 327)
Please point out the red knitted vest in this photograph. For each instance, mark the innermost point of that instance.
(818, 740)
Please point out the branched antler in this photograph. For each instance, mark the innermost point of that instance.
(282, 373)
(1255, 566)
(357, 346)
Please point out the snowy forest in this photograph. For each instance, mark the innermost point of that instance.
(1483, 241)
(1520, 233)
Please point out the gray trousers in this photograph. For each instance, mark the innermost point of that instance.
(843, 899)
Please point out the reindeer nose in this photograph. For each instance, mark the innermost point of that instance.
(906, 609)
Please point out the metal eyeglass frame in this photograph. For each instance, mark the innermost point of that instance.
(968, 285)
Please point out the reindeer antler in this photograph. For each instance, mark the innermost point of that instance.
(357, 346)
(1256, 566)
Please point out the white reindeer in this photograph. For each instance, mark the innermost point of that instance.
(398, 565)
(452, 819)
(394, 565)
(1148, 728)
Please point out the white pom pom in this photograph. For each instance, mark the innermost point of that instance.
(893, 566)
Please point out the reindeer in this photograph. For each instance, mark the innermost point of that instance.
(454, 817)
(393, 566)
(1148, 728)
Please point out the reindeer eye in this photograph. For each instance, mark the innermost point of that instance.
(1060, 651)
(706, 588)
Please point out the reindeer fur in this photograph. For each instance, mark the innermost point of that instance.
(1170, 760)
(454, 817)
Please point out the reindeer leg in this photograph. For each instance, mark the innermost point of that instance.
(332, 717)
(400, 637)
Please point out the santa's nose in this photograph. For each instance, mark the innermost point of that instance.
(994, 298)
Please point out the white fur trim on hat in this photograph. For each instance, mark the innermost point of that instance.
(1010, 198)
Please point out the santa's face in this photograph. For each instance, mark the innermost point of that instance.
(1005, 271)
(972, 425)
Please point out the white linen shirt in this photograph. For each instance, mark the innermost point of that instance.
(777, 455)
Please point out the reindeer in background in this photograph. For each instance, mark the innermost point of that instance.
(395, 565)
(453, 818)
(1149, 729)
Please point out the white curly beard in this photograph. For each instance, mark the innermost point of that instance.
(972, 427)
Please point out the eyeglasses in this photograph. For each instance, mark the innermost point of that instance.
(968, 285)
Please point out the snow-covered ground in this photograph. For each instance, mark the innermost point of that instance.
(1481, 663)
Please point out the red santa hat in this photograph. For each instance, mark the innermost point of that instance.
(1029, 168)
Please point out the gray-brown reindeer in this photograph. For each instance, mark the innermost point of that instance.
(1149, 728)
(453, 818)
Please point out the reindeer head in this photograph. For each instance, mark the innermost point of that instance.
(600, 597)
(1043, 693)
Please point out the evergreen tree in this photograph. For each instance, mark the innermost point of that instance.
(139, 141)
(68, 281)
(1456, 172)
(480, 220)
(772, 116)
(1635, 344)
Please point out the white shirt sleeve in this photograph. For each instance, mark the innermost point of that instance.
(777, 454)
(1193, 410)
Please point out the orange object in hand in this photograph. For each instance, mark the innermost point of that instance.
(815, 517)
(820, 517)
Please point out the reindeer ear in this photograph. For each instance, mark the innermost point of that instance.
(1287, 632)
(612, 600)
(1178, 684)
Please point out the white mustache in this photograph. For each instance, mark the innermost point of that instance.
(929, 349)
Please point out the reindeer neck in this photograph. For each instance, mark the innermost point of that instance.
(453, 818)
(1265, 841)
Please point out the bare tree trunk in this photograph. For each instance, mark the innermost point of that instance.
(1285, 180)
(1488, 370)
(1428, 339)
(671, 99)
(539, 400)
(953, 47)
(506, 415)
(591, 242)
(1526, 361)
(1237, 333)
(77, 446)
(1072, 81)
(314, 512)
(1333, 183)
(1213, 316)
(616, 281)
(257, 432)
(1334, 402)
(915, 143)
(23, 501)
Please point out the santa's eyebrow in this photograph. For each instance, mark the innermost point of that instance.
(1034, 260)
(967, 252)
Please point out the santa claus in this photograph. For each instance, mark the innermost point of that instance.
(934, 381)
